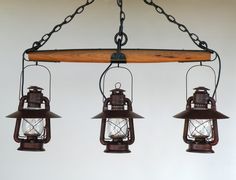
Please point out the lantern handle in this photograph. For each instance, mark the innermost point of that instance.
(200, 65)
(103, 78)
(22, 79)
(131, 78)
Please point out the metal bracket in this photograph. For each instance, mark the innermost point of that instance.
(118, 57)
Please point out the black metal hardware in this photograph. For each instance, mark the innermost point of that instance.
(120, 38)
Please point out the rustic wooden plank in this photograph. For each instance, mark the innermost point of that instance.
(132, 55)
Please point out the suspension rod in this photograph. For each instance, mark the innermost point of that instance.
(132, 55)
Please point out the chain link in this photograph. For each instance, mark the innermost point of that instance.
(201, 44)
(38, 44)
(121, 38)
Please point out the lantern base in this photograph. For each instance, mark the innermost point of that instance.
(117, 148)
(200, 148)
(29, 146)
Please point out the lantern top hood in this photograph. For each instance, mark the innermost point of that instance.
(116, 114)
(200, 114)
(34, 99)
(197, 107)
(117, 101)
(117, 91)
(31, 113)
(35, 88)
(201, 88)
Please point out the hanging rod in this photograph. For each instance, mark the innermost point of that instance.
(132, 55)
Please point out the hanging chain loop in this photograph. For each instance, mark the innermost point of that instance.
(38, 44)
(121, 38)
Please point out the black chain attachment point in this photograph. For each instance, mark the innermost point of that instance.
(38, 44)
(120, 38)
(201, 44)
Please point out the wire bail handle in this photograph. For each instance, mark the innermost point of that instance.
(102, 80)
(22, 79)
(201, 65)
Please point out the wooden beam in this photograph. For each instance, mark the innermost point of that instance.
(132, 55)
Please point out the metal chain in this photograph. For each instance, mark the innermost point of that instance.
(121, 38)
(38, 44)
(201, 44)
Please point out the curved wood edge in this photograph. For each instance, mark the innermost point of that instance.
(132, 55)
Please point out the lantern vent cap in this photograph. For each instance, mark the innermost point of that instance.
(201, 88)
(35, 88)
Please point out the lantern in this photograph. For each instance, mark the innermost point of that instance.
(117, 128)
(32, 128)
(200, 127)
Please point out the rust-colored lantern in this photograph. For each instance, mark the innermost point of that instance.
(117, 128)
(32, 128)
(200, 127)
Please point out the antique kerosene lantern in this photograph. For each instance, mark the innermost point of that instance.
(200, 127)
(117, 128)
(32, 128)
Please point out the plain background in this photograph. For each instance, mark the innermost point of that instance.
(159, 90)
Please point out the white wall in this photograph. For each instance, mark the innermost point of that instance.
(74, 151)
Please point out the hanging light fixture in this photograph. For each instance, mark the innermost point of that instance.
(33, 129)
(117, 127)
(200, 127)
(33, 120)
(117, 130)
